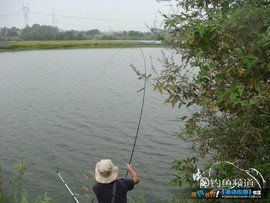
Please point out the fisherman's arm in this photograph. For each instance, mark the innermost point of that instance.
(133, 174)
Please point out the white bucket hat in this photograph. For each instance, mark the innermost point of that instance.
(105, 171)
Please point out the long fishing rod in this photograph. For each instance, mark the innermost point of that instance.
(62, 179)
(142, 106)
(140, 118)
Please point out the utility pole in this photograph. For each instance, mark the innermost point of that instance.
(25, 14)
(53, 18)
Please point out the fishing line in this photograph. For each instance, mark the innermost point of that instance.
(107, 63)
(139, 123)
(143, 99)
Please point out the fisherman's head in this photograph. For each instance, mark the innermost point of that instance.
(105, 171)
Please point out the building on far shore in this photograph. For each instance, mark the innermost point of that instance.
(18, 31)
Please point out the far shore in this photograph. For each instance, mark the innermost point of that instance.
(35, 45)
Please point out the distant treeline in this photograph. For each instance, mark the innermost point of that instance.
(45, 32)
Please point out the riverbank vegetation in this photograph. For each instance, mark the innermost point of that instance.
(228, 42)
(18, 193)
(28, 45)
(48, 37)
(46, 32)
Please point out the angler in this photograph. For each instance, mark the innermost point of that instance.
(110, 189)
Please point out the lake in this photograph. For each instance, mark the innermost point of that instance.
(62, 109)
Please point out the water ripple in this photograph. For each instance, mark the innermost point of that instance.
(57, 116)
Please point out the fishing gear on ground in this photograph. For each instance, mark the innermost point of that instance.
(73, 195)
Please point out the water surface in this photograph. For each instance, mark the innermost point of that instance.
(60, 110)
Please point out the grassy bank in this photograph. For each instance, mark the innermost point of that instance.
(31, 45)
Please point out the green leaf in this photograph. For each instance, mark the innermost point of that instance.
(238, 51)
(176, 182)
(25, 199)
(250, 60)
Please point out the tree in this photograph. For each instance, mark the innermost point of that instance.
(134, 33)
(227, 42)
(93, 32)
(12, 32)
(39, 32)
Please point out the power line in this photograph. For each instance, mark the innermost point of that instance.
(83, 17)
(9, 14)
(26, 12)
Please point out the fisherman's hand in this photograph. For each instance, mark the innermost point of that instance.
(130, 168)
(133, 173)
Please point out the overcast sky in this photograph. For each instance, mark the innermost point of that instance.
(104, 15)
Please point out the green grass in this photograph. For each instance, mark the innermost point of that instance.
(30, 45)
